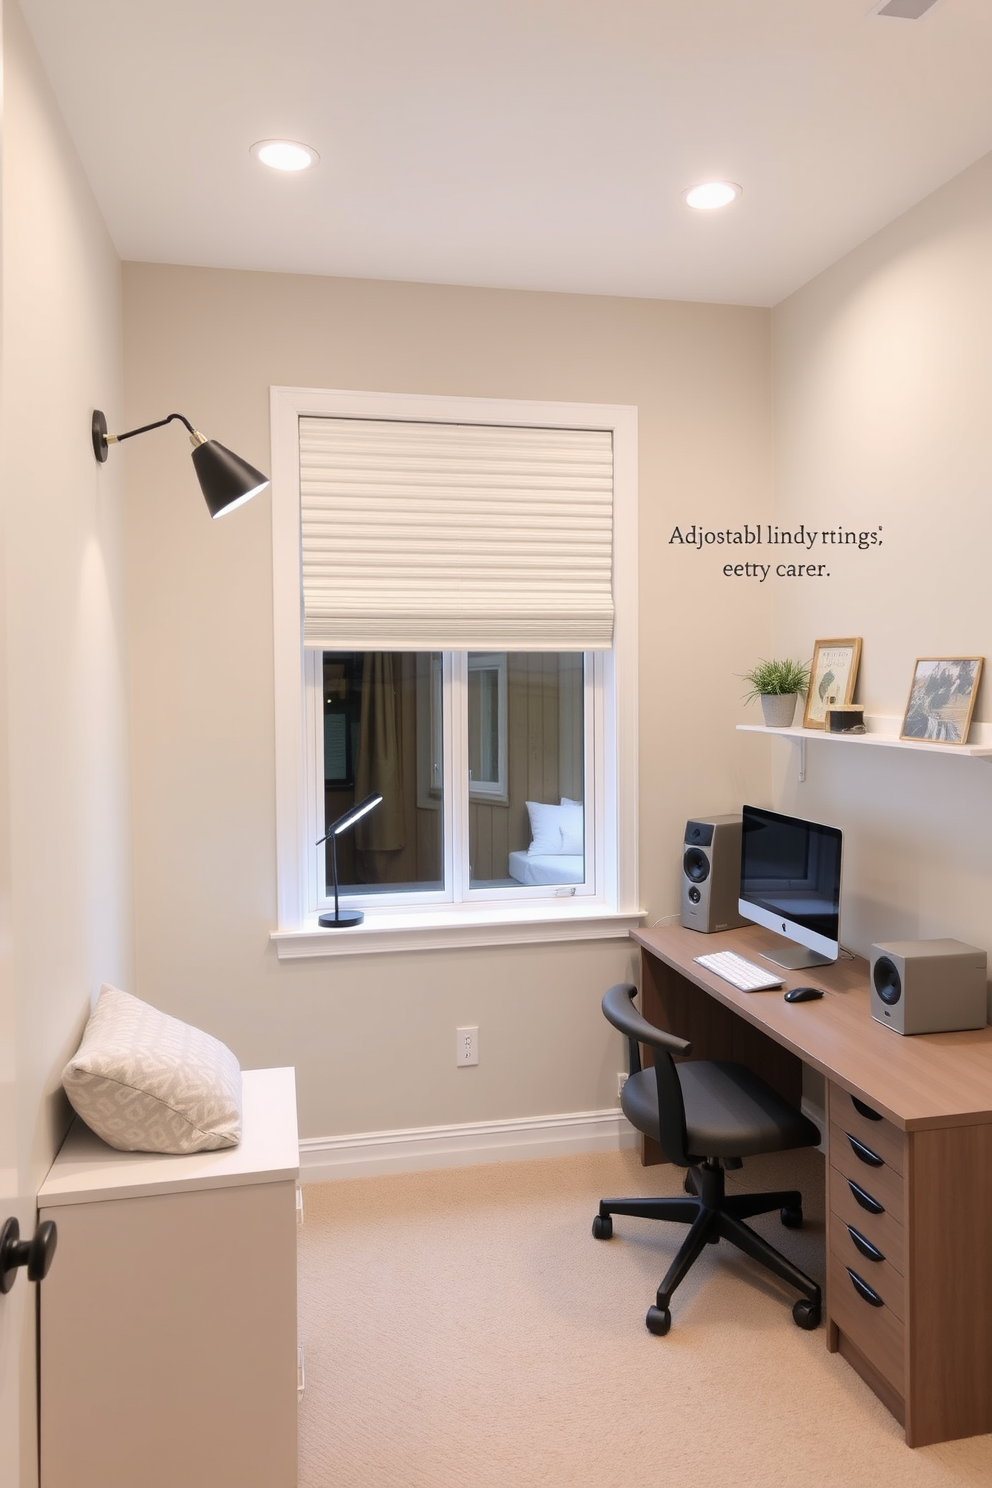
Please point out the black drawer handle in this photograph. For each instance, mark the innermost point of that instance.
(864, 1290)
(864, 1154)
(865, 1199)
(869, 1251)
(865, 1111)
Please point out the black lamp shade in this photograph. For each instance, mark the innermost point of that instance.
(225, 479)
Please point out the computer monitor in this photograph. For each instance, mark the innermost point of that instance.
(790, 882)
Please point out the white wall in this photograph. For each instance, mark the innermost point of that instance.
(372, 1037)
(883, 376)
(64, 821)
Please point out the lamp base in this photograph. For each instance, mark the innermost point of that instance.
(346, 920)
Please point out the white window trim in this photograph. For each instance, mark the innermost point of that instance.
(448, 925)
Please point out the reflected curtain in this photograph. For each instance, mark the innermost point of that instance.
(380, 764)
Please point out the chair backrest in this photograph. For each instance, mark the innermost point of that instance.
(619, 1010)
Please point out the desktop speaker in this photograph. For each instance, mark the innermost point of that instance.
(928, 986)
(711, 873)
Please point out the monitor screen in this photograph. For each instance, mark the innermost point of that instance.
(790, 882)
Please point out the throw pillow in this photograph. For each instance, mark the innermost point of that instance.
(554, 830)
(571, 826)
(146, 1082)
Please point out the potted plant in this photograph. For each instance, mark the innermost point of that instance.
(778, 685)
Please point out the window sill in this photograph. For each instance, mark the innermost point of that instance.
(449, 929)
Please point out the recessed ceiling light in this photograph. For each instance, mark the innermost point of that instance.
(285, 155)
(711, 194)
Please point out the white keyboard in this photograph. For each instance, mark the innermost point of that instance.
(743, 975)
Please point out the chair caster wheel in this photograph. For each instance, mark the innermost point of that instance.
(806, 1314)
(688, 1184)
(792, 1218)
(602, 1226)
(658, 1321)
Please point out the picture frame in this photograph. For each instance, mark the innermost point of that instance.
(942, 699)
(833, 676)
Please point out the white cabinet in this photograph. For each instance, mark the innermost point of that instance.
(168, 1345)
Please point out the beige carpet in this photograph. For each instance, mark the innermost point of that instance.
(463, 1329)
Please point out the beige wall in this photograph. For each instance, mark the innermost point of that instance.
(884, 368)
(64, 823)
(373, 1037)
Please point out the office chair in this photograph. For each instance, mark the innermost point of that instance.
(707, 1116)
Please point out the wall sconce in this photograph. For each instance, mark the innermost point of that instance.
(225, 479)
(351, 917)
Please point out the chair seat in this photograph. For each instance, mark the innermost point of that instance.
(729, 1112)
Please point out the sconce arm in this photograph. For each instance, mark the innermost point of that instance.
(102, 440)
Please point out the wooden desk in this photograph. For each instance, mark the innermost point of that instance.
(927, 1350)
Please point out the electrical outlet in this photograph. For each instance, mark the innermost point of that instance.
(466, 1046)
(621, 1081)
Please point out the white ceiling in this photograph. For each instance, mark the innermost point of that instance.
(539, 144)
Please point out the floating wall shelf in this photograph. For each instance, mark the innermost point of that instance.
(883, 732)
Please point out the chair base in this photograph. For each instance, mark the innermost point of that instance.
(712, 1215)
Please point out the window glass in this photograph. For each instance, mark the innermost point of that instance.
(526, 754)
(382, 735)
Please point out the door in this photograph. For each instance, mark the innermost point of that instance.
(18, 1449)
(18, 1391)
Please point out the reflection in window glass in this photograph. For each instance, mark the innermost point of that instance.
(487, 726)
(382, 734)
(526, 818)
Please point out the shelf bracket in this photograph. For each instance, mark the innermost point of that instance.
(802, 758)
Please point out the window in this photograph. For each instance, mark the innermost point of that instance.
(507, 769)
(506, 823)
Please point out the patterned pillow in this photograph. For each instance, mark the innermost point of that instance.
(145, 1082)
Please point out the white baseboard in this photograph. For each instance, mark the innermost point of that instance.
(366, 1154)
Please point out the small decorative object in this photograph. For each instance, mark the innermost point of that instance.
(832, 678)
(846, 718)
(942, 699)
(778, 685)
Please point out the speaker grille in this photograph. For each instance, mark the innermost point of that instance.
(888, 983)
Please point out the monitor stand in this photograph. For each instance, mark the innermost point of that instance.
(796, 957)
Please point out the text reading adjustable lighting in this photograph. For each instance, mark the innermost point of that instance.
(225, 479)
(350, 917)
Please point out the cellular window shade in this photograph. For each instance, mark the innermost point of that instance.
(430, 536)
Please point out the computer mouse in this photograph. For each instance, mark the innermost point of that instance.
(803, 994)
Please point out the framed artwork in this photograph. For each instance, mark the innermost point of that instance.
(942, 699)
(832, 678)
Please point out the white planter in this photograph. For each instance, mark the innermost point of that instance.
(779, 708)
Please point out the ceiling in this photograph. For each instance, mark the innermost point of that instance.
(536, 144)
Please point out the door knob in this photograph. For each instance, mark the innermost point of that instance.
(36, 1254)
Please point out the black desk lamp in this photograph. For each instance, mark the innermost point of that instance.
(351, 917)
(225, 479)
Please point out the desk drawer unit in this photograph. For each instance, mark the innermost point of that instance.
(866, 1285)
